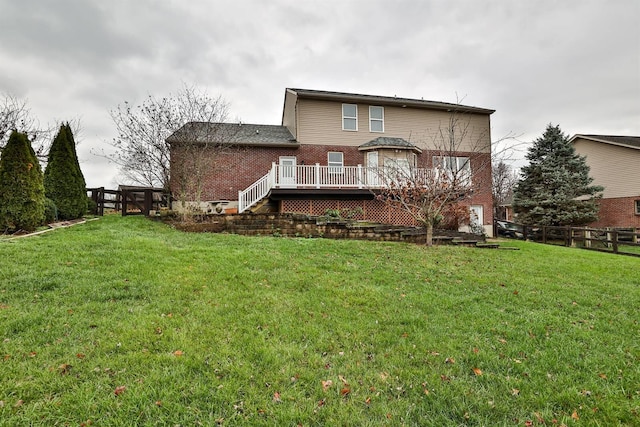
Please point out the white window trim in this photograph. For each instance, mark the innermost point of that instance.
(463, 164)
(335, 167)
(350, 117)
(372, 119)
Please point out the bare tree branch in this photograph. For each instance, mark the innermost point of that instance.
(142, 150)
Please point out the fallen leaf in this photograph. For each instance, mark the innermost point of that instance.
(7, 357)
(445, 378)
(158, 402)
(426, 391)
(345, 391)
(80, 356)
(64, 368)
(476, 350)
(528, 423)
(502, 341)
(276, 397)
(19, 403)
(515, 391)
(367, 400)
(603, 376)
(341, 378)
(326, 384)
(450, 360)
(575, 415)
(32, 354)
(119, 390)
(477, 371)
(321, 402)
(178, 353)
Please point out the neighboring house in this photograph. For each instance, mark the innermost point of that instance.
(327, 152)
(614, 162)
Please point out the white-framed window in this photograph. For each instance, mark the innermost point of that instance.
(335, 161)
(350, 117)
(456, 167)
(637, 207)
(376, 119)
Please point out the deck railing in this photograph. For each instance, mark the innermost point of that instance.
(323, 177)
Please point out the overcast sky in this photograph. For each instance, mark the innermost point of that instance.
(573, 62)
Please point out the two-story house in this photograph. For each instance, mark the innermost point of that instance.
(613, 163)
(329, 147)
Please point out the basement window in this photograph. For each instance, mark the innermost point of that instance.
(637, 207)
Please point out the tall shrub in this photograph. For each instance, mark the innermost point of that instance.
(63, 179)
(21, 186)
(555, 188)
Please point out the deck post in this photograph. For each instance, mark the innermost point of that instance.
(360, 176)
(317, 175)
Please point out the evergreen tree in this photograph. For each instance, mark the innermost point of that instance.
(21, 186)
(63, 179)
(555, 188)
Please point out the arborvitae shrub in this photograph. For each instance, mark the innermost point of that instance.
(50, 211)
(63, 179)
(21, 186)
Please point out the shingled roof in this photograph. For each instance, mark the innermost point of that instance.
(625, 141)
(387, 100)
(234, 133)
(388, 142)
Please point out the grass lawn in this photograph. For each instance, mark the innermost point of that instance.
(124, 321)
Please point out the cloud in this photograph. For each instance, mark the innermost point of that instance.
(575, 63)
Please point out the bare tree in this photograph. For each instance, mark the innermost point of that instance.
(16, 115)
(142, 150)
(448, 183)
(197, 150)
(504, 179)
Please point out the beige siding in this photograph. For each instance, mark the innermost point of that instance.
(320, 122)
(616, 168)
(289, 112)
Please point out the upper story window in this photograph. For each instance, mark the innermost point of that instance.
(376, 119)
(458, 168)
(349, 117)
(335, 161)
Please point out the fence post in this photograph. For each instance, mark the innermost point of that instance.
(148, 201)
(544, 234)
(614, 235)
(125, 194)
(567, 236)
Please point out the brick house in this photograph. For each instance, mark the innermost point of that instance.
(613, 162)
(327, 150)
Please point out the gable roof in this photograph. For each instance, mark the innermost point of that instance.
(234, 133)
(624, 141)
(388, 142)
(386, 100)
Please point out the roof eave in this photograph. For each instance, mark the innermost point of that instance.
(389, 101)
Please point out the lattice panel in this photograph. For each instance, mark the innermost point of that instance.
(319, 207)
(296, 206)
(372, 210)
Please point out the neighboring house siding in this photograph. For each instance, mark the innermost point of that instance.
(320, 122)
(615, 168)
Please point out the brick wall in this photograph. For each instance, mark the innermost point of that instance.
(618, 212)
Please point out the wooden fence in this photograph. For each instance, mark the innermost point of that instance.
(129, 200)
(615, 240)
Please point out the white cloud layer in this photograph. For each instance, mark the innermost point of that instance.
(575, 63)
